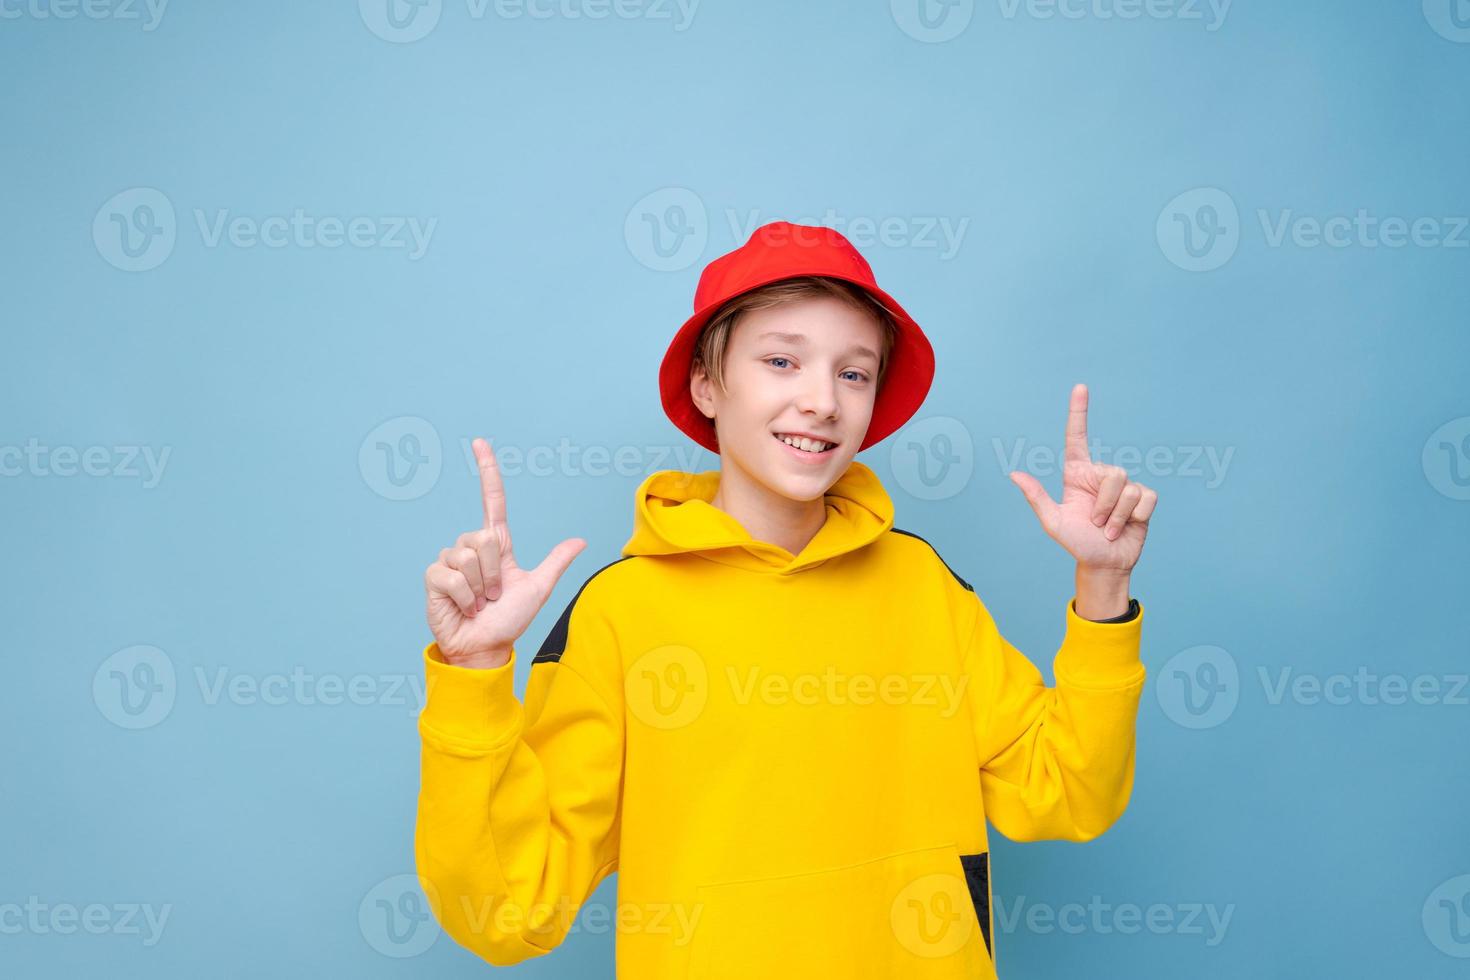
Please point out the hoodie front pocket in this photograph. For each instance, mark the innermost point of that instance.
(906, 915)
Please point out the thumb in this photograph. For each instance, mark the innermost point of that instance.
(549, 572)
(1037, 497)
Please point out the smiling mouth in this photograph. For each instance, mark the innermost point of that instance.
(814, 447)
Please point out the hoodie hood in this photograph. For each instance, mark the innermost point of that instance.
(672, 515)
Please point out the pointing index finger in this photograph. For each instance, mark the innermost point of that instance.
(492, 492)
(1076, 447)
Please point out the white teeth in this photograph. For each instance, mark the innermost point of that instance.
(804, 444)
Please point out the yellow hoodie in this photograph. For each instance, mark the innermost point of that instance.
(790, 758)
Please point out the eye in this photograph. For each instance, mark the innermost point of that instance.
(857, 375)
(771, 359)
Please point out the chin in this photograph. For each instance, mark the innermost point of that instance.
(802, 482)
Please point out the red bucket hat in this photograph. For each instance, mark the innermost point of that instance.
(781, 250)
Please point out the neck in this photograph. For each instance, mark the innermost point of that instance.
(765, 514)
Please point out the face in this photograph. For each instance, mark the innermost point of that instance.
(808, 367)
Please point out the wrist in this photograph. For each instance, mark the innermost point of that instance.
(479, 659)
(1102, 593)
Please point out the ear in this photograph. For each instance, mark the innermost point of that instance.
(700, 387)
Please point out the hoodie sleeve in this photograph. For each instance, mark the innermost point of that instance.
(1056, 763)
(519, 807)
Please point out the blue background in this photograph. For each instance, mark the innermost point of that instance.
(541, 146)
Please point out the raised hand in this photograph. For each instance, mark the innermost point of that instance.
(479, 600)
(1103, 517)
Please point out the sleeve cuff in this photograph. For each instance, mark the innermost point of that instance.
(1101, 654)
(467, 704)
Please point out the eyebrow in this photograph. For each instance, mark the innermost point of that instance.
(797, 338)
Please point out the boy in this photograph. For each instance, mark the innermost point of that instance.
(784, 720)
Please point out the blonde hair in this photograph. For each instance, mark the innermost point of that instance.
(709, 350)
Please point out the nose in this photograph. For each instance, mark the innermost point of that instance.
(818, 396)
